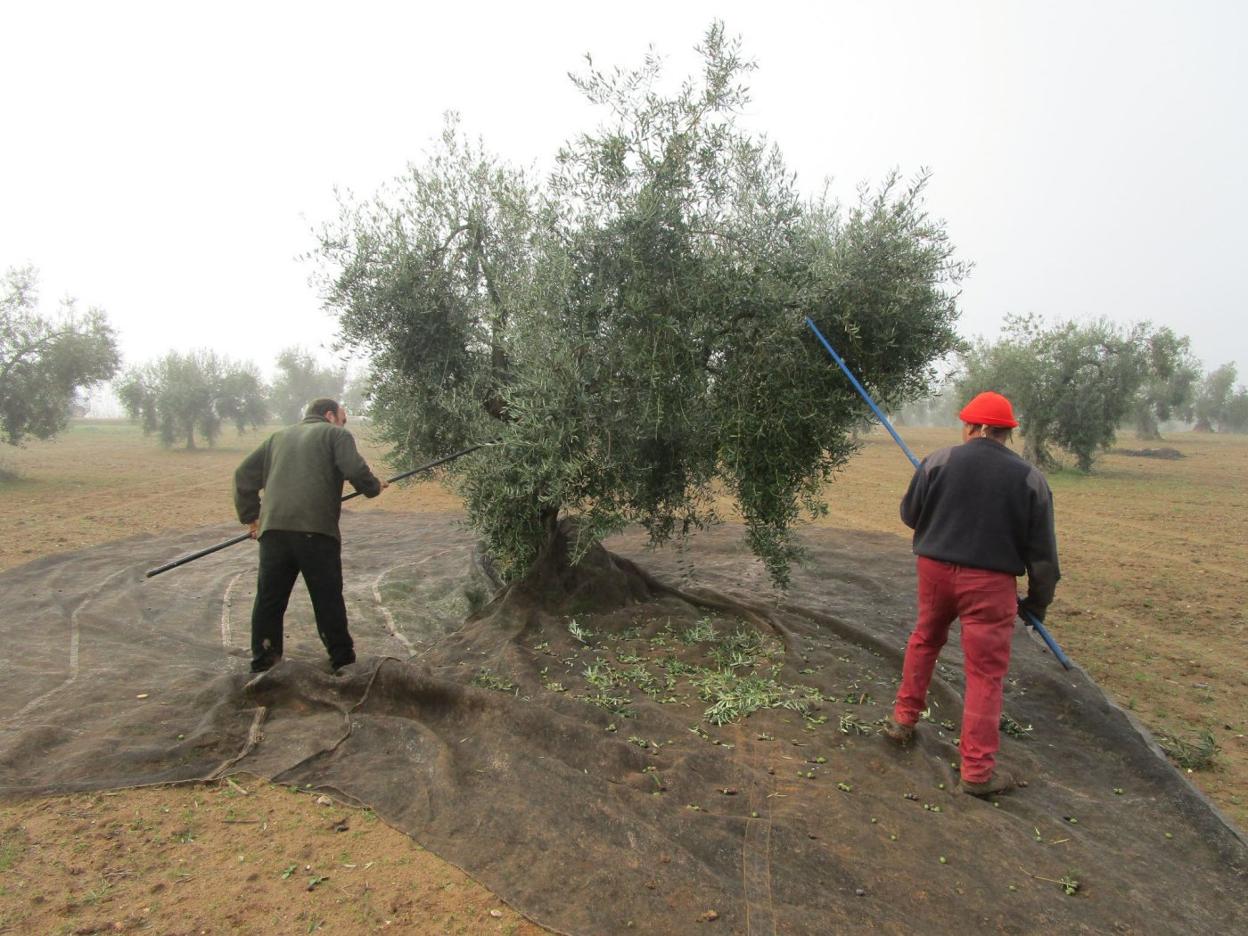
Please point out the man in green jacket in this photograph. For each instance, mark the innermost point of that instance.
(301, 470)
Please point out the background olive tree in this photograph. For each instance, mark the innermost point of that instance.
(180, 395)
(1072, 384)
(45, 363)
(1219, 403)
(632, 328)
(1170, 384)
(357, 393)
(300, 379)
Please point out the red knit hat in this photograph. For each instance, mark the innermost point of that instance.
(989, 409)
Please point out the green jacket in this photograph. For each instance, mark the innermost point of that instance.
(301, 470)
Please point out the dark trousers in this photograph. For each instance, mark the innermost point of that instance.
(284, 555)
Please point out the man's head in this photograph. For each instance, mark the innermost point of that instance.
(329, 410)
(988, 415)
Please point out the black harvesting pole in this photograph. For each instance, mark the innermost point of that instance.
(191, 557)
(1028, 618)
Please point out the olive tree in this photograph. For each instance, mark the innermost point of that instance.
(299, 380)
(357, 393)
(179, 395)
(1219, 403)
(631, 329)
(1071, 383)
(46, 362)
(1170, 384)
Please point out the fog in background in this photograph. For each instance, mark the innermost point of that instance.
(169, 163)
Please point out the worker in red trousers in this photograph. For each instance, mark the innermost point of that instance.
(981, 516)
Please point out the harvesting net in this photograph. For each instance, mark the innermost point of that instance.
(707, 750)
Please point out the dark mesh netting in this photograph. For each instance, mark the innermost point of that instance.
(623, 750)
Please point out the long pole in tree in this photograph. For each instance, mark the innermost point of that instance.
(1028, 618)
(191, 557)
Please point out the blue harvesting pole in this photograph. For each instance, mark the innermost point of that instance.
(863, 393)
(1034, 623)
(1028, 618)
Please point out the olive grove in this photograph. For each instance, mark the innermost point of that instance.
(180, 395)
(1220, 403)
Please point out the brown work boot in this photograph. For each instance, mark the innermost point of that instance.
(898, 732)
(999, 782)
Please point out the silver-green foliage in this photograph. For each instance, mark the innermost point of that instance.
(45, 362)
(632, 327)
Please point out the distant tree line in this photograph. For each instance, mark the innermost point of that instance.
(181, 396)
(1074, 385)
(49, 363)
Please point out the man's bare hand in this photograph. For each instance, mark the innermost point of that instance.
(384, 484)
(253, 529)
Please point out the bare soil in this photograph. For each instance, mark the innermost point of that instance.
(234, 857)
(1152, 605)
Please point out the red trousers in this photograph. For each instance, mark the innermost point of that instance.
(987, 603)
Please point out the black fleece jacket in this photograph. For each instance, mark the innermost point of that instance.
(979, 504)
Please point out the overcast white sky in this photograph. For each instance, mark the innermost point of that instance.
(167, 161)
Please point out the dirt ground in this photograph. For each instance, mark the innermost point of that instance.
(234, 857)
(1152, 605)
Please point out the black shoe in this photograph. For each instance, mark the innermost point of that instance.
(264, 664)
(336, 665)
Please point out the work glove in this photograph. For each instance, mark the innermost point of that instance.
(1028, 606)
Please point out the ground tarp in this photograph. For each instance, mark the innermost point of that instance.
(572, 762)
